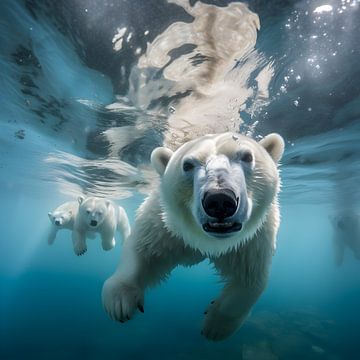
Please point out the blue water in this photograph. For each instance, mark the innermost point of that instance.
(58, 74)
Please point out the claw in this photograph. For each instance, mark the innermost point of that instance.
(128, 317)
(122, 321)
(141, 308)
(205, 312)
(212, 302)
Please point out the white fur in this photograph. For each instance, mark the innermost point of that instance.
(168, 229)
(62, 218)
(101, 216)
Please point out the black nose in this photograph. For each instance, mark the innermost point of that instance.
(57, 222)
(220, 203)
(93, 222)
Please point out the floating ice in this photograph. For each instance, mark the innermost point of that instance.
(117, 40)
(323, 8)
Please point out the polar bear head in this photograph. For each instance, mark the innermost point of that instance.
(61, 218)
(93, 210)
(216, 190)
(346, 222)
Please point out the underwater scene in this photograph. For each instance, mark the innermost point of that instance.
(179, 179)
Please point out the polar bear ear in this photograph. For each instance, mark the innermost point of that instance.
(274, 145)
(80, 199)
(160, 158)
(50, 215)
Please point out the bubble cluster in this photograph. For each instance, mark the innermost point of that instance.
(318, 38)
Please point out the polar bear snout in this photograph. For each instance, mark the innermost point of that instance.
(221, 209)
(220, 203)
(57, 222)
(93, 223)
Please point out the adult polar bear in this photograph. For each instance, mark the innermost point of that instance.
(217, 198)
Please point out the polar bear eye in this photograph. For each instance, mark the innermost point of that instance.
(247, 157)
(188, 165)
(88, 211)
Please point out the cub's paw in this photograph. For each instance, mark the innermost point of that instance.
(108, 245)
(80, 249)
(121, 299)
(217, 326)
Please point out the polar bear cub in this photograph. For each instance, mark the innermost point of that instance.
(98, 215)
(346, 225)
(217, 199)
(62, 218)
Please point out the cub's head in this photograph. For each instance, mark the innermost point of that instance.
(60, 218)
(93, 210)
(216, 190)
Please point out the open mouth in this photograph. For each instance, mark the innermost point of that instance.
(93, 223)
(222, 227)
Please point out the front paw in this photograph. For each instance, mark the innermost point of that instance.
(217, 326)
(108, 245)
(80, 249)
(121, 299)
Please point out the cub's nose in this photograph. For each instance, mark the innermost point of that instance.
(220, 203)
(93, 222)
(57, 222)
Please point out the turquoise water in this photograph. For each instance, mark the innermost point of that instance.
(60, 138)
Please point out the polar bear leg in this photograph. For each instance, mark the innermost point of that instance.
(121, 293)
(79, 242)
(52, 235)
(107, 239)
(227, 313)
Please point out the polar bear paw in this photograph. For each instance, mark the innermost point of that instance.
(80, 249)
(108, 245)
(217, 326)
(121, 299)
